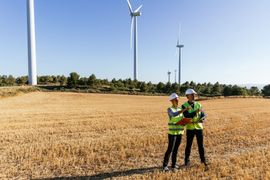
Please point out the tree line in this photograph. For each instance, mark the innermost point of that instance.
(75, 81)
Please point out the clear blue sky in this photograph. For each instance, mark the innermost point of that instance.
(225, 40)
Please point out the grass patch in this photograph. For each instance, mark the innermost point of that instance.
(16, 90)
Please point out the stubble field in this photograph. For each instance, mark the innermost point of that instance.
(94, 136)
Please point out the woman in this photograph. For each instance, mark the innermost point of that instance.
(175, 131)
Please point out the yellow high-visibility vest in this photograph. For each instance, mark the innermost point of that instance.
(195, 124)
(173, 128)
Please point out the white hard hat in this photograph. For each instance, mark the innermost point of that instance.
(173, 96)
(190, 91)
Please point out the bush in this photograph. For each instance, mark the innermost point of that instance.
(266, 90)
(73, 79)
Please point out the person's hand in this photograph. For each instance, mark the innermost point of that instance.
(198, 110)
(188, 108)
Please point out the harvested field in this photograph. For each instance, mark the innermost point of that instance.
(95, 136)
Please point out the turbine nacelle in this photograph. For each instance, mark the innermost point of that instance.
(136, 12)
(180, 46)
(133, 14)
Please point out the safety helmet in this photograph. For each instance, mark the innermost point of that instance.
(190, 91)
(173, 96)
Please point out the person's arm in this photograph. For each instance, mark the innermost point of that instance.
(173, 114)
(202, 116)
(188, 114)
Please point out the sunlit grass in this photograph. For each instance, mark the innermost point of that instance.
(46, 135)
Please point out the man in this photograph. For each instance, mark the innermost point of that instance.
(176, 129)
(195, 128)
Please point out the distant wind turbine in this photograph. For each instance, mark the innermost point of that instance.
(169, 76)
(180, 46)
(134, 15)
(32, 69)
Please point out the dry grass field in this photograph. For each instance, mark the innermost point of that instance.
(95, 136)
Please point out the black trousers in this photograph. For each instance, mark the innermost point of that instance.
(190, 137)
(173, 145)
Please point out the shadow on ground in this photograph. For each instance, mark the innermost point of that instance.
(110, 174)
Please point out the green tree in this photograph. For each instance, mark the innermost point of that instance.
(266, 90)
(167, 88)
(192, 85)
(143, 87)
(54, 79)
(62, 80)
(239, 91)
(83, 81)
(73, 79)
(216, 89)
(104, 82)
(22, 80)
(160, 87)
(92, 80)
(3, 80)
(254, 91)
(10, 80)
(119, 84)
(227, 90)
(41, 79)
(151, 87)
(183, 88)
(175, 88)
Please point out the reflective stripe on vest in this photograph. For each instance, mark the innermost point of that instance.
(175, 129)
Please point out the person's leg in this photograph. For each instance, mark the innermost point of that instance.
(169, 150)
(190, 136)
(199, 137)
(175, 149)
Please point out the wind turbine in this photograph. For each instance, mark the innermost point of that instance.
(32, 69)
(169, 76)
(134, 15)
(180, 46)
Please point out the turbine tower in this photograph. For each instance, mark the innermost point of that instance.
(175, 71)
(134, 15)
(32, 69)
(169, 76)
(180, 46)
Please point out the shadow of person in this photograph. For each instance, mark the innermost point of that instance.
(109, 174)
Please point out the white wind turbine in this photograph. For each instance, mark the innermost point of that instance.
(32, 69)
(134, 15)
(180, 46)
(169, 77)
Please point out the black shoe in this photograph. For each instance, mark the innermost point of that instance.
(165, 169)
(206, 167)
(205, 163)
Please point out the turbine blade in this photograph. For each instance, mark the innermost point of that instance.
(179, 35)
(137, 10)
(131, 31)
(129, 6)
(176, 52)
